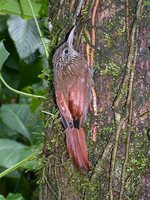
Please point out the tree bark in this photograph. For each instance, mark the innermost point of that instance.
(113, 37)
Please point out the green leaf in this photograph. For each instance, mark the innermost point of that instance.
(29, 73)
(13, 174)
(11, 152)
(16, 196)
(25, 36)
(15, 117)
(6, 132)
(3, 23)
(3, 54)
(23, 9)
(2, 197)
(35, 103)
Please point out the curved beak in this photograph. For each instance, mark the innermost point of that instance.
(71, 36)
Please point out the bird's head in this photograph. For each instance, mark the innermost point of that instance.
(65, 53)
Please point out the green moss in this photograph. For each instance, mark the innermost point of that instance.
(111, 69)
(109, 41)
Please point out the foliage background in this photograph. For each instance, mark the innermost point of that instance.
(28, 124)
(21, 122)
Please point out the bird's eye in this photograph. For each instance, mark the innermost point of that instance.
(66, 51)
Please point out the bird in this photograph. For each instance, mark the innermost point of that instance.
(72, 83)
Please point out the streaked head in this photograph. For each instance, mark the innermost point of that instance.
(65, 53)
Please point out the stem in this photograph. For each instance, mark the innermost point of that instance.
(124, 167)
(130, 55)
(98, 166)
(130, 111)
(93, 34)
(19, 92)
(127, 22)
(39, 31)
(16, 166)
(113, 159)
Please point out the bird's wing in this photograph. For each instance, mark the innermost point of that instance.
(63, 107)
(79, 97)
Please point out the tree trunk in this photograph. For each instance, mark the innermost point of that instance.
(113, 37)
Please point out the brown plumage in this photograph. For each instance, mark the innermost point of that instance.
(72, 81)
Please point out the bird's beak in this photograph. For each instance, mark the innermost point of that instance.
(71, 36)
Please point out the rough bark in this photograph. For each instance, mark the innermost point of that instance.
(113, 36)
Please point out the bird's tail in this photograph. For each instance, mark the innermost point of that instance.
(77, 149)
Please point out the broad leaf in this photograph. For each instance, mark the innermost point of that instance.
(23, 9)
(16, 196)
(3, 54)
(3, 23)
(25, 36)
(11, 152)
(13, 174)
(29, 73)
(15, 117)
(2, 197)
(5, 131)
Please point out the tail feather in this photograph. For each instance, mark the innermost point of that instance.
(83, 146)
(78, 154)
(77, 149)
